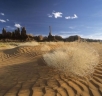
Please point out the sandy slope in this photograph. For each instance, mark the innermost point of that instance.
(23, 72)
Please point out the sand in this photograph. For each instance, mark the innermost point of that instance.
(23, 72)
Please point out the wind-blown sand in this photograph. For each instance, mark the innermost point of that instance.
(23, 72)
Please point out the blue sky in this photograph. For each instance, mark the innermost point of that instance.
(66, 17)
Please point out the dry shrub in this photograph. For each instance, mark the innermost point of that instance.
(77, 59)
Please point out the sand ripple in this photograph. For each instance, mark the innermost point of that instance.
(23, 72)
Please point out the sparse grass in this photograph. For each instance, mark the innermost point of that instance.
(75, 59)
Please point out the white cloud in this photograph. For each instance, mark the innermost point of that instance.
(2, 14)
(1, 20)
(7, 19)
(57, 14)
(50, 15)
(18, 25)
(73, 17)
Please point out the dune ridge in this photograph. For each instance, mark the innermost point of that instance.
(23, 72)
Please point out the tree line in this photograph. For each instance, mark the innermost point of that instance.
(21, 35)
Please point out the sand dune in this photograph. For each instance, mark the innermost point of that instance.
(23, 72)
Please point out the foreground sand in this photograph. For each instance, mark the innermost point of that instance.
(23, 72)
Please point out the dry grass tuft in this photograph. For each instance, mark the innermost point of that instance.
(77, 59)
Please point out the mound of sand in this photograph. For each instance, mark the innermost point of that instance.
(23, 72)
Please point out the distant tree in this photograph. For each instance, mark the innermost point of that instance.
(17, 34)
(13, 35)
(9, 35)
(23, 33)
(4, 33)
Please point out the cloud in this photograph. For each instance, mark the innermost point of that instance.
(2, 14)
(7, 19)
(18, 25)
(1, 20)
(57, 14)
(50, 15)
(73, 17)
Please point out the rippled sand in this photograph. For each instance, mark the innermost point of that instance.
(23, 72)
